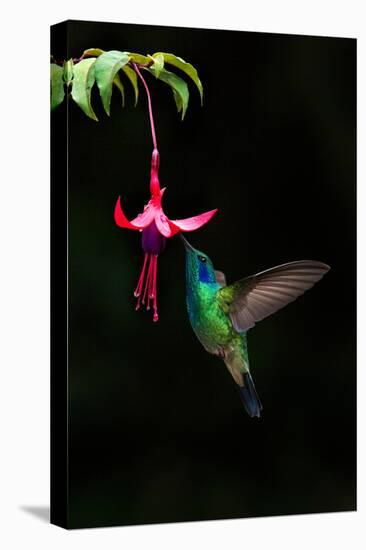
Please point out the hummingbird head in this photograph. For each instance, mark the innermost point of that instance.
(199, 268)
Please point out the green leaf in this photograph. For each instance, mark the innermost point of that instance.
(57, 86)
(132, 76)
(178, 101)
(179, 87)
(140, 59)
(106, 68)
(82, 84)
(117, 82)
(68, 71)
(158, 64)
(183, 66)
(92, 52)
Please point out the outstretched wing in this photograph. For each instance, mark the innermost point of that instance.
(252, 299)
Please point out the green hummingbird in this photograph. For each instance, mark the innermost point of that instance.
(222, 314)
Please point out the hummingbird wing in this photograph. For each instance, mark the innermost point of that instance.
(252, 299)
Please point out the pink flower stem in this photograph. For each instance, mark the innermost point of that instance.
(149, 103)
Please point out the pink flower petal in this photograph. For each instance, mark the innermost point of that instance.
(144, 219)
(141, 221)
(163, 223)
(190, 224)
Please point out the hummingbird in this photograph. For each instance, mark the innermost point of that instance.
(221, 314)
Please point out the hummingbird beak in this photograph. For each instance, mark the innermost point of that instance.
(186, 243)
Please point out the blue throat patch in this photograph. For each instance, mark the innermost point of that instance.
(205, 274)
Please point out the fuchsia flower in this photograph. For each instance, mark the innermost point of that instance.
(156, 227)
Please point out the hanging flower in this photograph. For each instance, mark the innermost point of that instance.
(156, 227)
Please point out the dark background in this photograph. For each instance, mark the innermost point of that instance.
(157, 429)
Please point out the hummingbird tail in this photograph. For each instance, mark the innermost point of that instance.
(250, 397)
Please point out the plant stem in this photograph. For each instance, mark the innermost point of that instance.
(149, 103)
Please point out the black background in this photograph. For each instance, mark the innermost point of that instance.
(157, 430)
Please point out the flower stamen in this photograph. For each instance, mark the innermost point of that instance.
(138, 289)
(146, 289)
(155, 294)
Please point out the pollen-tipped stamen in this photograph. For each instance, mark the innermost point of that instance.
(155, 294)
(147, 284)
(146, 290)
(140, 283)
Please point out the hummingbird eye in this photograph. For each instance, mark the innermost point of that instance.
(202, 259)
